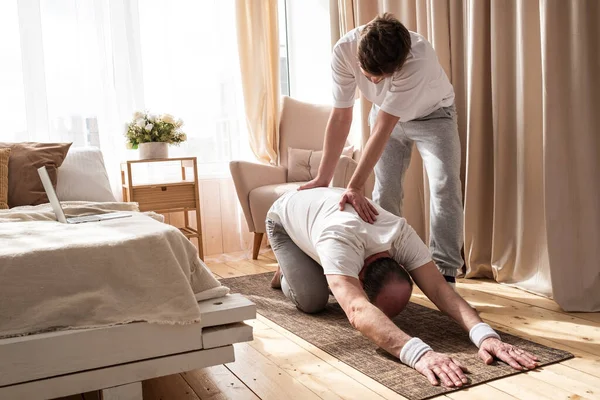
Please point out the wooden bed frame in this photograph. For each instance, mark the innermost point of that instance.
(116, 359)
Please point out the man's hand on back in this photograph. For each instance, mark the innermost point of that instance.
(363, 207)
(512, 355)
(435, 365)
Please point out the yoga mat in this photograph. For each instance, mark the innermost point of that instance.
(331, 332)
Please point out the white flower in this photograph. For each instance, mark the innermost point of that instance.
(138, 115)
(168, 118)
(183, 137)
(140, 123)
(129, 146)
(179, 123)
(152, 118)
(149, 127)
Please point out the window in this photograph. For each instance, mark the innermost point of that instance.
(284, 66)
(77, 70)
(305, 53)
(13, 118)
(305, 50)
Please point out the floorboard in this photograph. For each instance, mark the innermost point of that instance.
(217, 383)
(481, 392)
(524, 386)
(327, 381)
(265, 378)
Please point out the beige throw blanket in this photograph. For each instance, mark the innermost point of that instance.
(57, 276)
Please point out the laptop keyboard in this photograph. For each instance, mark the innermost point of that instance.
(84, 218)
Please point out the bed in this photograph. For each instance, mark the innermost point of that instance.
(103, 311)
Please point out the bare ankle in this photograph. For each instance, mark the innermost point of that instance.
(276, 281)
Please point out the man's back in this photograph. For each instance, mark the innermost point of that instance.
(314, 222)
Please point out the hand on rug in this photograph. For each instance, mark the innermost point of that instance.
(436, 365)
(512, 355)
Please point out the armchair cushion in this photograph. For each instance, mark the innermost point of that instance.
(263, 197)
(248, 176)
(303, 165)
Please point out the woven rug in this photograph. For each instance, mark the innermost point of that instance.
(331, 332)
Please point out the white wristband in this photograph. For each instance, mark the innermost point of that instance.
(480, 332)
(412, 351)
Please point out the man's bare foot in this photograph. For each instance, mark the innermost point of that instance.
(276, 281)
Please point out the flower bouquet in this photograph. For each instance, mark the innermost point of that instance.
(152, 134)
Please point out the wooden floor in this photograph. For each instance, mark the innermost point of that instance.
(279, 365)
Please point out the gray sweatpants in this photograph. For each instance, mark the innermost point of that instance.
(436, 138)
(303, 280)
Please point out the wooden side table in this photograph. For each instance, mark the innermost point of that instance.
(168, 197)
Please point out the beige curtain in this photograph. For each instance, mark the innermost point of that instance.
(526, 76)
(258, 46)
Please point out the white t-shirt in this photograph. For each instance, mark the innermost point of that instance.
(340, 241)
(418, 89)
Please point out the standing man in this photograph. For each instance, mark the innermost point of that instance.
(413, 102)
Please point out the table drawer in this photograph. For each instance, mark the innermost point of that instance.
(165, 197)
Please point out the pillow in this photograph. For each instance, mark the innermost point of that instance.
(303, 165)
(4, 154)
(83, 177)
(24, 185)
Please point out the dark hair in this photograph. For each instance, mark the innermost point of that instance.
(383, 46)
(380, 272)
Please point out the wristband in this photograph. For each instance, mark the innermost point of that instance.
(412, 351)
(480, 332)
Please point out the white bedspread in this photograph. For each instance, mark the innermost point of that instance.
(57, 276)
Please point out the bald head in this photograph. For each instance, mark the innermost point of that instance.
(393, 297)
(387, 284)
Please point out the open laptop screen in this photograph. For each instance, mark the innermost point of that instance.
(60, 215)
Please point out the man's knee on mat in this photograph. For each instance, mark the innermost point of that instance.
(309, 302)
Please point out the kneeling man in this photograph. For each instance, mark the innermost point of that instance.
(368, 268)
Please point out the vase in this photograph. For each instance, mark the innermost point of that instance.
(153, 150)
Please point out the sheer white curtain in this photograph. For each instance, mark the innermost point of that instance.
(77, 70)
(309, 55)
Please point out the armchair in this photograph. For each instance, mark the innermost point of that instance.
(302, 126)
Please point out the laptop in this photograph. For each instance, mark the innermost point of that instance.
(57, 208)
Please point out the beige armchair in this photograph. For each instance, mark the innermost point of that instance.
(302, 126)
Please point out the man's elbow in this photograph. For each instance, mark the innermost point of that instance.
(341, 115)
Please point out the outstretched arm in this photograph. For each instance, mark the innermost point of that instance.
(382, 130)
(433, 285)
(364, 316)
(336, 133)
(375, 325)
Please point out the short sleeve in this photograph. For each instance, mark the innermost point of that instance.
(409, 249)
(339, 257)
(344, 81)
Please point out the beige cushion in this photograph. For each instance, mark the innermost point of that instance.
(24, 184)
(262, 198)
(4, 155)
(303, 165)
